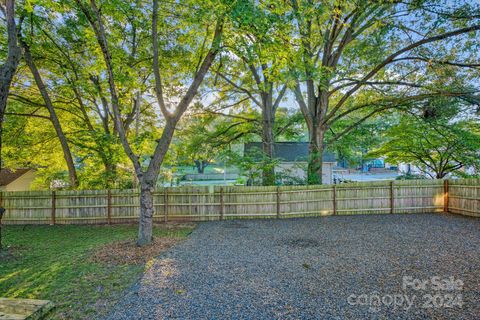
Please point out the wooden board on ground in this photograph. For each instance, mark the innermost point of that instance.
(24, 309)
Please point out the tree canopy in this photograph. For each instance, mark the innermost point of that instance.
(103, 93)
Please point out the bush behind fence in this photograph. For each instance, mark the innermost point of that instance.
(206, 203)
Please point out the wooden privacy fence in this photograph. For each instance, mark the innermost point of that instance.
(204, 203)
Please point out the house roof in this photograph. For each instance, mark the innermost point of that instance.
(7, 176)
(286, 151)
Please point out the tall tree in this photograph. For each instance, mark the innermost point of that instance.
(253, 71)
(349, 56)
(148, 176)
(9, 67)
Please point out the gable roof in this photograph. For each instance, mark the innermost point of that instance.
(286, 151)
(7, 176)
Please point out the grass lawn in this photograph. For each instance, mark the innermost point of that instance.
(55, 263)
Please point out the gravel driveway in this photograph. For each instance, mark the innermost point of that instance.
(341, 267)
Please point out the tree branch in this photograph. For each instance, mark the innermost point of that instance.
(390, 58)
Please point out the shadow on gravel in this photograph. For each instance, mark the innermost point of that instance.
(300, 243)
(235, 225)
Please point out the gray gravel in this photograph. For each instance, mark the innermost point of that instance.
(308, 269)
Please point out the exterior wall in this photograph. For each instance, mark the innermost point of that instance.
(299, 170)
(23, 183)
(327, 172)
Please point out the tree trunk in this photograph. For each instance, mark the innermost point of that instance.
(8, 69)
(314, 110)
(315, 157)
(268, 139)
(201, 165)
(110, 173)
(146, 213)
(53, 116)
(148, 182)
(440, 174)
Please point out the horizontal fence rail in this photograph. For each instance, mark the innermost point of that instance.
(207, 203)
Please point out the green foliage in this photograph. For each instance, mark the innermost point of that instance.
(251, 165)
(266, 46)
(204, 137)
(353, 148)
(439, 147)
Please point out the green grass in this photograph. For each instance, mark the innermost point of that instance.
(52, 262)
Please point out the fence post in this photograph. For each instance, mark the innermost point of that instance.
(445, 196)
(54, 207)
(2, 211)
(109, 206)
(278, 202)
(392, 199)
(222, 204)
(165, 204)
(334, 199)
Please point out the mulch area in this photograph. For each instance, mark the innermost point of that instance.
(127, 252)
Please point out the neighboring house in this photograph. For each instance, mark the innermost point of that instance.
(293, 158)
(16, 180)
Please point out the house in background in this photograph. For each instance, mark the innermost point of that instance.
(293, 158)
(16, 180)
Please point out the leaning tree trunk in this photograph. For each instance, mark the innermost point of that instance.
(268, 141)
(8, 69)
(315, 157)
(72, 172)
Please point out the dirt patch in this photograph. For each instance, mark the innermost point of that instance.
(177, 225)
(127, 252)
